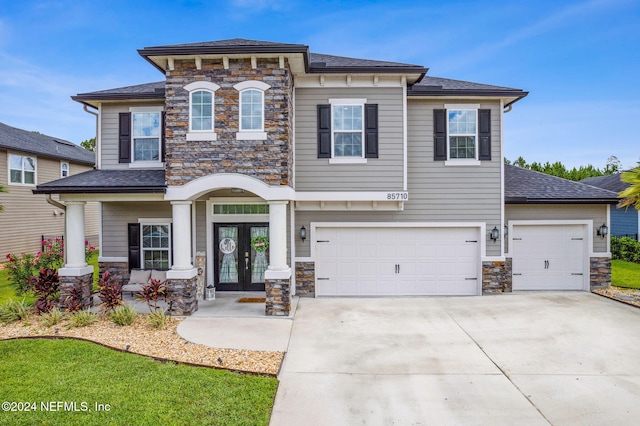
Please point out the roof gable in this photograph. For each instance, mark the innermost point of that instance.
(14, 139)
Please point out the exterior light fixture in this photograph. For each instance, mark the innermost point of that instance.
(303, 233)
(506, 231)
(495, 233)
(603, 231)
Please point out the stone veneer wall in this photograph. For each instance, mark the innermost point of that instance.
(270, 161)
(278, 294)
(183, 294)
(497, 277)
(600, 271)
(67, 284)
(305, 279)
(119, 271)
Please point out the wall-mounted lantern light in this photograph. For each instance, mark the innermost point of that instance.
(495, 233)
(506, 231)
(303, 233)
(603, 231)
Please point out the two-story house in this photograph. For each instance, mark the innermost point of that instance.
(260, 165)
(27, 159)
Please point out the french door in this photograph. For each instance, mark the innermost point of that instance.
(239, 264)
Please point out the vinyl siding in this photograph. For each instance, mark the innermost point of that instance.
(624, 222)
(27, 217)
(595, 212)
(116, 216)
(378, 174)
(109, 119)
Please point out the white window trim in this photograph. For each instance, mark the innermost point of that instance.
(62, 164)
(145, 164)
(249, 134)
(155, 221)
(203, 135)
(347, 160)
(21, 183)
(462, 161)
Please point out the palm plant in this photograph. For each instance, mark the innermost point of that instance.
(631, 195)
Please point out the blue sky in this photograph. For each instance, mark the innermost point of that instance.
(580, 60)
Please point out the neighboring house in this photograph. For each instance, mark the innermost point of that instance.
(625, 222)
(363, 177)
(26, 160)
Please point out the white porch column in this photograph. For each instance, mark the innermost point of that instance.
(181, 235)
(74, 244)
(278, 236)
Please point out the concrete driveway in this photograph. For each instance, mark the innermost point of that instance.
(527, 358)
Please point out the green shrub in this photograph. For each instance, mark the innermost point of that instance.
(21, 269)
(53, 317)
(157, 319)
(625, 248)
(123, 315)
(13, 310)
(83, 318)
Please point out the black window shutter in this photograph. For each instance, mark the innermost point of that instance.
(124, 135)
(484, 126)
(371, 130)
(324, 131)
(439, 134)
(134, 245)
(163, 145)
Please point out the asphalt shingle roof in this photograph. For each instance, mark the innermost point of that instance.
(610, 182)
(14, 139)
(527, 186)
(153, 90)
(437, 86)
(107, 181)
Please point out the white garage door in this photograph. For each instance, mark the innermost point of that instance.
(371, 261)
(549, 257)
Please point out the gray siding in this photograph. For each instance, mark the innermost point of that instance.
(109, 120)
(201, 225)
(116, 216)
(437, 193)
(379, 174)
(27, 216)
(595, 212)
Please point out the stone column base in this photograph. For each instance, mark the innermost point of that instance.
(183, 295)
(305, 279)
(119, 271)
(600, 271)
(278, 293)
(67, 283)
(497, 277)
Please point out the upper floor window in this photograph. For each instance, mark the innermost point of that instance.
(252, 110)
(22, 169)
(146, 136)
(64, 169)
(348, 131)
(201, 110)
(462, 133)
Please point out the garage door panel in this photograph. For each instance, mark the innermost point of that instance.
(397, 261)
(549, 257)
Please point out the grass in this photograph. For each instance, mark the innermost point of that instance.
(137, 389)
(625, 274)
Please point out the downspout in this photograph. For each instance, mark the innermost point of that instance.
(56, 203)
(85, 108)
(507, 109)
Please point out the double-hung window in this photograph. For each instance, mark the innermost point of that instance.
(348, 130)
(22, 169)
(64, 169)
(252, 110)
(201, 111)
(462, 133)
(156, 246)
(146, 136)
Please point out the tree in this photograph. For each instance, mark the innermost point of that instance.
(89, 144)
(560, 170)
(2, 189)
(631, 195)
(613, 165)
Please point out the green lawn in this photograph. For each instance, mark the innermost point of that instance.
(138, 390)
(625, 274)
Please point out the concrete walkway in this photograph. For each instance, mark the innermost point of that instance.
(529, 358)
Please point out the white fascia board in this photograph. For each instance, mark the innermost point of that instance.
(112, 197)
(339, 80)
(348, 196)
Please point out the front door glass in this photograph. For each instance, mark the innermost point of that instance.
(241, 256)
